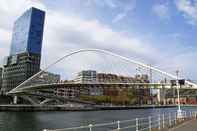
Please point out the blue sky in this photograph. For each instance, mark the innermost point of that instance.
(157, 32)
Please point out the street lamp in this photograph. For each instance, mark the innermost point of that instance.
(179, 111)
(138, 69)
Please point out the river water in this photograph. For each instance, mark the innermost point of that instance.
(36, 121)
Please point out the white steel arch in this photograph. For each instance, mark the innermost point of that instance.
(105, 52)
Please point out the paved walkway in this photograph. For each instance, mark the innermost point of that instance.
(187, 126)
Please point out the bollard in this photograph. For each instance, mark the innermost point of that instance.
(175, 119)
(149, 123)
(169, 119)
(136, 123)
(90, 127)
(118, 122)
(159, 124)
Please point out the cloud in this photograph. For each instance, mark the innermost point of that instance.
(184, 62)
(76, 33)
(189, 10)
(121, 7)
(64, 34)
(110, 3)
(126, 8)
(162, 11)
(119, 17)
(5, 37)
(17, 8)
(9, 11)
(104, 3)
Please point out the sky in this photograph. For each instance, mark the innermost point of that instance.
(157, 32)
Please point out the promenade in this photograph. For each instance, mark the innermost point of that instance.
(187, 126)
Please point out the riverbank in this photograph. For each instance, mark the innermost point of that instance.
(79, 108)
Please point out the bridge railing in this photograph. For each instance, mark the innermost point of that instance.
(150, 123)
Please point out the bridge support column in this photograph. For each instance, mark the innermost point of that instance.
(164, 96)
(158, 96)
(161, 96)
(15, 99)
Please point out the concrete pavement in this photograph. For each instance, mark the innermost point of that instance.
(187, 126)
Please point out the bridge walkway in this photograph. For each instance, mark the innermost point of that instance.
(187, 126)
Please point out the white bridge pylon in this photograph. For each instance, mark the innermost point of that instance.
(20, 87)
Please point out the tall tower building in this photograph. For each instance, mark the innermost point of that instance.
(25, 52)
(1, 71)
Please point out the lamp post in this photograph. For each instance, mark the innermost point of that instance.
(138, 73)
(179, 111)
(151, 74)
(138, 69)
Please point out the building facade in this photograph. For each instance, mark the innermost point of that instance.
(86, 76)
(47, 78)
(67, 92)
(113, 78)
(28, 32)
(18, 69)
(25, 52)
(1, 77)
(143, 96)
(70, 91)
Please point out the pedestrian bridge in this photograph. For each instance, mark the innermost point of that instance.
(100, 85)
(31, 85)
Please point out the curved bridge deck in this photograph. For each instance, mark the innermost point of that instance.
(122, 85)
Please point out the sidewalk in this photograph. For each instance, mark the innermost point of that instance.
(187, 126)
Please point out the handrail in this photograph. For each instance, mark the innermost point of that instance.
(139, 124)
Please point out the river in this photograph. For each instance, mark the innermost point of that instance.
(36, 121)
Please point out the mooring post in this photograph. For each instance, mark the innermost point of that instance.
(149, 121)
(136, 124)
(159, 124)
(118, 122)
(90, 127)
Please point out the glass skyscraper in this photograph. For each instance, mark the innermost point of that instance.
(28, 32)
(1, 71)
(25, 53)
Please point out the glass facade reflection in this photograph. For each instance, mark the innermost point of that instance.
(25, 54)
(28, 32)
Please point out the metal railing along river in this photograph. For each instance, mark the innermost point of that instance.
(150, 123)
